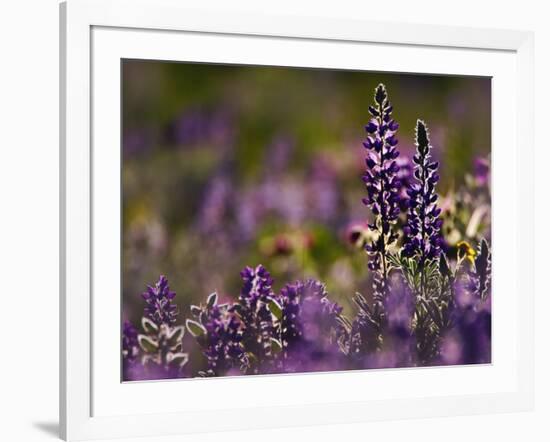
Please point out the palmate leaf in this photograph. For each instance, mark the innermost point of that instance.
(174, 336)
(179, 359)
(275, 309)
(409, 270)
(438, 312)
(195, 328)
(372, 315)
(149, 326)
(212, 300)
(147, 344)
(276, 346)
(433, 277)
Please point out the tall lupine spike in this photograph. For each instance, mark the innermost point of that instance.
(383, 186)
(219, 332)
(482, 265)
(257, 284)
(253, 308)
(405, 177)
(159, 306)
(422, 232)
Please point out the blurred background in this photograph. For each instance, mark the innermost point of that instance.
(227, 166)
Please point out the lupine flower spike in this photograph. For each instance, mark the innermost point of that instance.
(159, 306)
(422, 232)
(382, 184)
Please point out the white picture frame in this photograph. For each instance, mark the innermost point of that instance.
(96, 33)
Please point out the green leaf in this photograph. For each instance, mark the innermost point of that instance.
(276, 346)
(212, 300)
(179, 359)
(149, 326)
(252, 357)
(147, 344)
(275, 309)
(195, 328)
(175, 335)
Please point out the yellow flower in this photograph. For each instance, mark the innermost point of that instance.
(465, 250)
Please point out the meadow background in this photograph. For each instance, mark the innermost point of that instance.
(227, 166)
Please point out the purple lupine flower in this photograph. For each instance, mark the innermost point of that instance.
(257, 283)
(405, 177)
(159, 307)
(382, 185)
(219, 332)
(252, 307)
(309, 327)
(422, 236)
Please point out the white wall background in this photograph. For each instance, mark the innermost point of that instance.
(29, 218)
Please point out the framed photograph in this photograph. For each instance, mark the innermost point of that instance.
(298, 220)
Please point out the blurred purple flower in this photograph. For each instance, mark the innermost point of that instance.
(215, 205)
(482, 169)
(323, 191)
(309, 327)
(200, 126)
(468, 341)
(291, 200)
(130, 351)
(278, 155)
(135, 142)
(398, 336)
